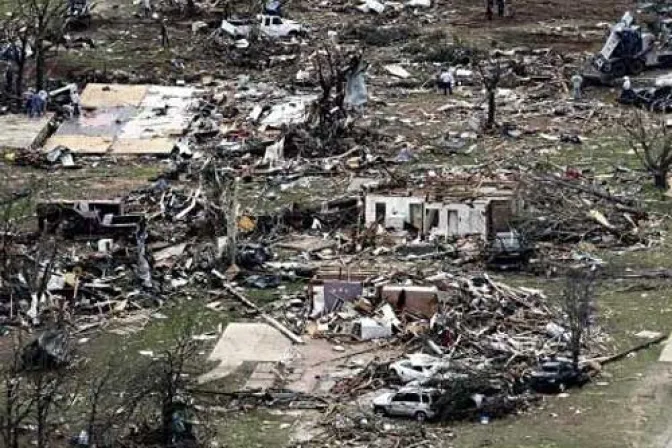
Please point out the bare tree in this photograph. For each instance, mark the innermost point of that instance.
(33, 390)
(26, 259)
(651, 141)
(44, 22)
(490, 71)
(48, 390)
(221, 209)
(165, 406)
(15, 33)
(577, 304)
(16, 404)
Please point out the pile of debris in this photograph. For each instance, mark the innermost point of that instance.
(343, 429)
(572, 208)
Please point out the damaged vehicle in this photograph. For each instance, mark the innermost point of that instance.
(655, 99)
(556, 376)
(508, 250)
(269, 26)
(416, 403)
(417, 367)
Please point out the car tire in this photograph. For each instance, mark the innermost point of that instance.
(420, 417)
(379, 411)
(293, 34)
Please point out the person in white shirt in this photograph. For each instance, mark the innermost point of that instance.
(146, 8)
(577, 81)
(44, 97)
(446, 81)
(74, 100)
(627, 94)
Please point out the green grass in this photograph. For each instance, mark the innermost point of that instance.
(255, 429)
(263, 297)
(159, 334)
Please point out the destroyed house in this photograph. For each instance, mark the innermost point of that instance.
(446, 209)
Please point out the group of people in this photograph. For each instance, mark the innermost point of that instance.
(35, 103)
(577, 86)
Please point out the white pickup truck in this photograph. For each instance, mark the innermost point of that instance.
(270, 26)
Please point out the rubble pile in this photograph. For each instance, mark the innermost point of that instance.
(365, 232)
(573, 208)
(479, 326)
(485, 325)
(344, 429)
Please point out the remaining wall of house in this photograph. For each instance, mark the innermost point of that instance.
(453, 219)
(396, 209)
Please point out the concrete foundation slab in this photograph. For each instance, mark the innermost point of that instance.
(263, 377)
(127, 119)
(21, 131)
(247, 342)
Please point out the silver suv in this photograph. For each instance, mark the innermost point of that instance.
(408, 402)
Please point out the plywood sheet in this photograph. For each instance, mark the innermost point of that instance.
(81, 144)
(137, 146)
(112, 95)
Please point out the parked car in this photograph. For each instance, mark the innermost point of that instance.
(556, 376)
(417, 403)
(508, 250)
(270, 26)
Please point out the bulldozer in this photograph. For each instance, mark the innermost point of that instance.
(629, 51)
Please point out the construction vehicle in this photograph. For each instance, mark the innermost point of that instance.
(629, 51)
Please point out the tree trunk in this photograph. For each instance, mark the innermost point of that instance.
(660, 180)
(20, 73)
(21, 69)
(491, 109)
(167, 416)
(41, 418)
(576, 352)
(92, 422)
(39, 64)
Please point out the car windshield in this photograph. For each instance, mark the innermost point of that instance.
(509, 241)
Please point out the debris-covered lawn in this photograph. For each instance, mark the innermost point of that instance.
(346, 223)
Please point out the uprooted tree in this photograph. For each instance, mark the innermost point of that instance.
(342, 91)
(651, 141)
(577, 304)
